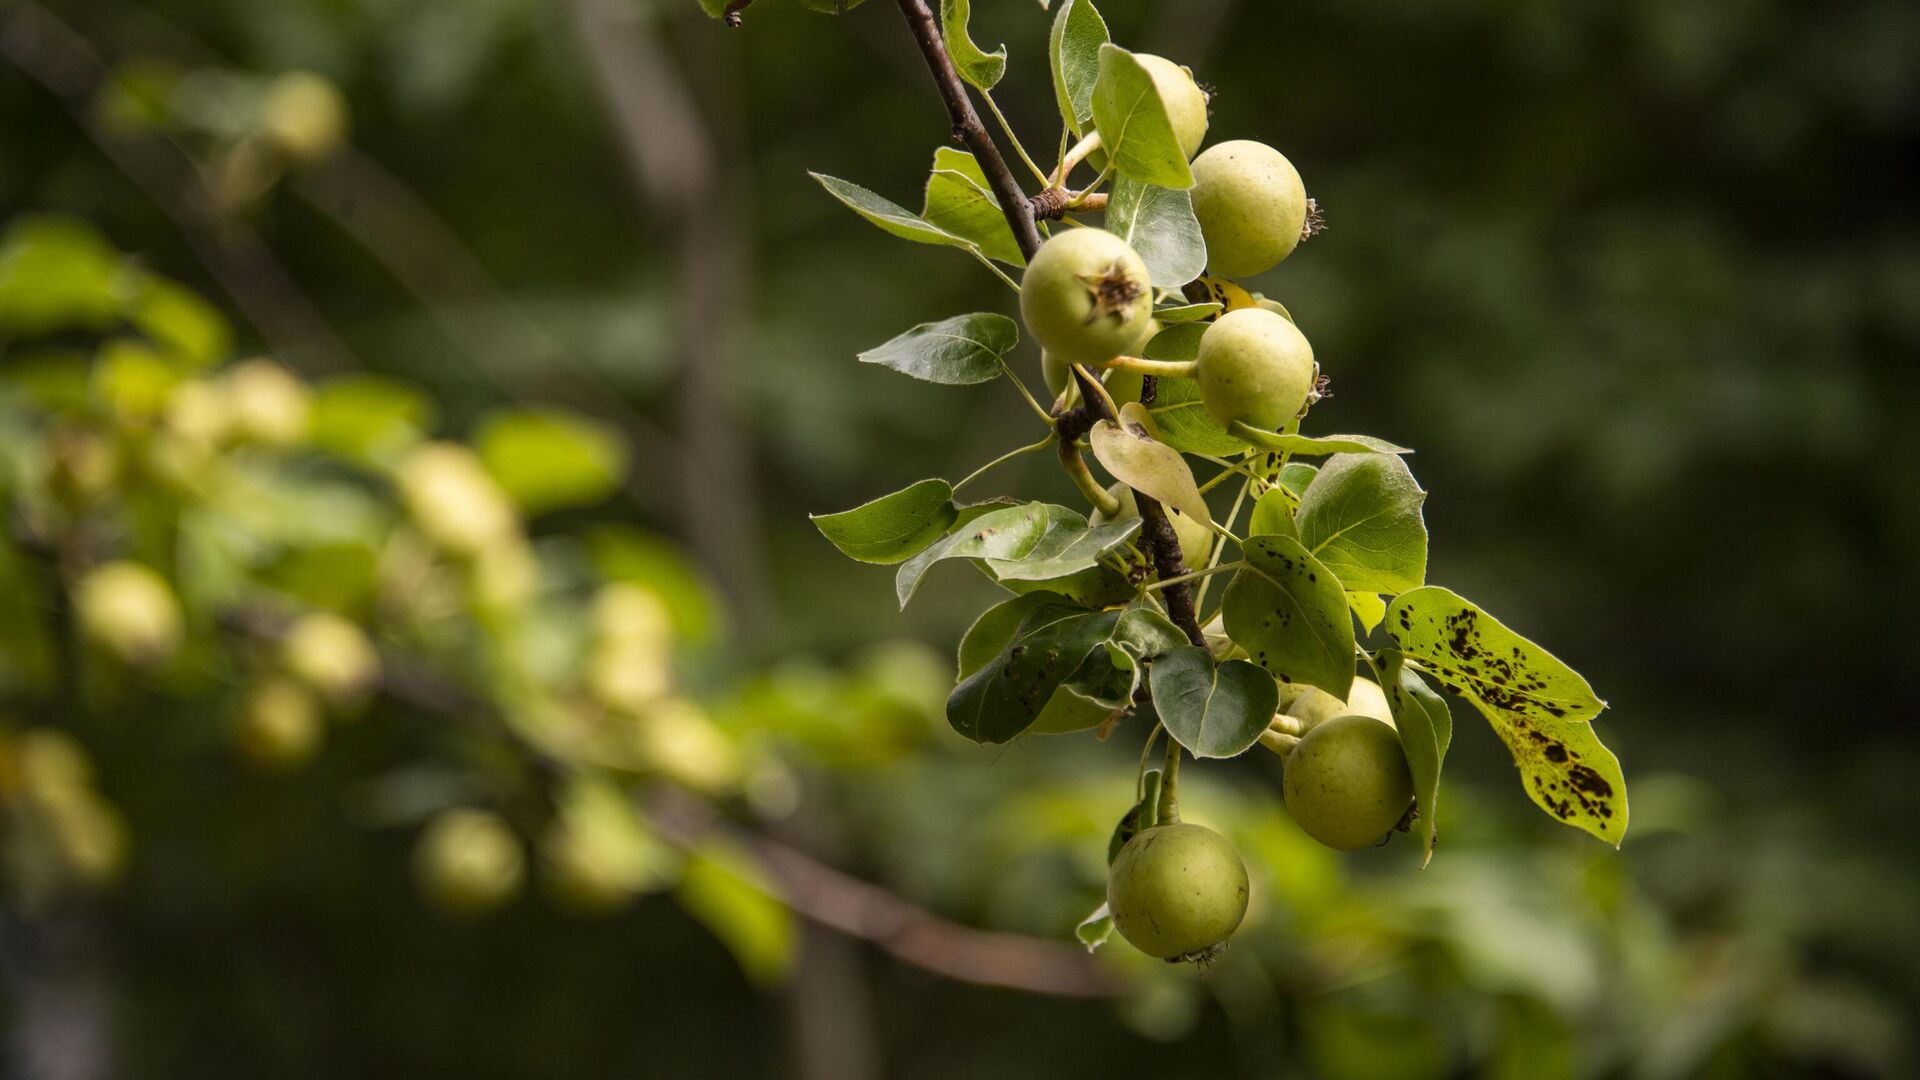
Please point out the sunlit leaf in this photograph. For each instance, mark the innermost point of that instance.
(953, 352)
(1160, 225)
(982, 69)
(1426, 731)
(892, 527)
(546, 459)
(888, 215)
(1073, 52)
(1133, 123)
(1289, 613)
(733, 898)
(1145, 464)
(1361, 517)
(959, 201)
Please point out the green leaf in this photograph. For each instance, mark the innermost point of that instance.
(1073, 52)
(828, 7)
(1368, 607)
(728, 892)
(181, 323)
(1186, 313)
(959, 351)
(982, 69)
(1426, 731)
(1143, 463)
(960, 202)
(1540, 707)
(890, 216)
(1183, 421)
(624, 553)
(1160, 225)
(1032, 541)
(1361, 517)
(1133, 124)
(1214, 710)
(369, 418)
(892, 527)
(547, 459)
(1289, 613)
(1058, 650)
(1273, 514)
(1316, 446)
(995, 627)
(1094, 930)
(58, 272)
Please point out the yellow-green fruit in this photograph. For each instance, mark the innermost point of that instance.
(1311, 705)
(1251, 205)
(1177, 890)
(280, 725)
(632, 615)
(1347, 782)
(1255, 367)
(676, 739)
(468, 861)
(266, 404)
(1086, 297)
(454, 499)
(332, 655)
(49, 763)
(305, 115)
(130, 610)
(1186, 105)
(1196, 540)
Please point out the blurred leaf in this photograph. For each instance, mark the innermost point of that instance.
(960, 351)
(1361, 517)
(177, 319)
(1540, 707)
(1288, 612)
(959, 201)
(1133, 123)
(1073, 53)
(132, 380)
(621, 553)
(893, 527)
(1426, 731)
(546, 459)
(58, 272)
(1214, 710)
(732, 896)
(369, 418)
(337, 577)
(982, 69)
(1160, 225)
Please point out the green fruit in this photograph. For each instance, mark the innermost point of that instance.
(305, 115)
(468, 861)
(1186, 105)
(1312, 705)
(1196, 540)
(280, 727)
(1255, 367)
(1122, 386)
(1347, 782)
(130, 610)
(1177, 891)
(454, 499)
(1251, 206)
(331, 655)
(266, 404)
(1086, 297)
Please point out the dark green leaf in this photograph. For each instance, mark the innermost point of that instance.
(953, 352)
(1289, 613)
(892, 527)
(1214, 710)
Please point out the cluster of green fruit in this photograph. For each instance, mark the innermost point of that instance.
(1155, 354)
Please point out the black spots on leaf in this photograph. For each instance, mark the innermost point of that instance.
(1557, 754)
(1585, 779)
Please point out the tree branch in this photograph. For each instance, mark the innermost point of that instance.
(1162, 542)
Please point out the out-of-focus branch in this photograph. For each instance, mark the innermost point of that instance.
(671, 153)
(52, 54)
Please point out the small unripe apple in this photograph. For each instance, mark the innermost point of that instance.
(131, 611)
(280, 725)
(1086, 297)
(1347, 783)
(266, 404)
(1177, 891)
(305, 115)
(468, 861)
(1255, 367)
(1186, 105)
(1251, 205)
(331, 655)
(1196, 540)
(454, 499)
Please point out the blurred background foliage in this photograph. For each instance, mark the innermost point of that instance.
(1640, 280)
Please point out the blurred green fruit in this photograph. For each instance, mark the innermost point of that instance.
(131, 611)
(468, 862)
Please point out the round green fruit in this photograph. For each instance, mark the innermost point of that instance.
(1177, 891)
(131, 611)
(1312, 705)
(468, 861)
(1186, 105)
(280, 727)
(1347, 782)
(331, 655)
(1255, 367)
(1086, 297)
(1251, 205)
(1196, 540)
